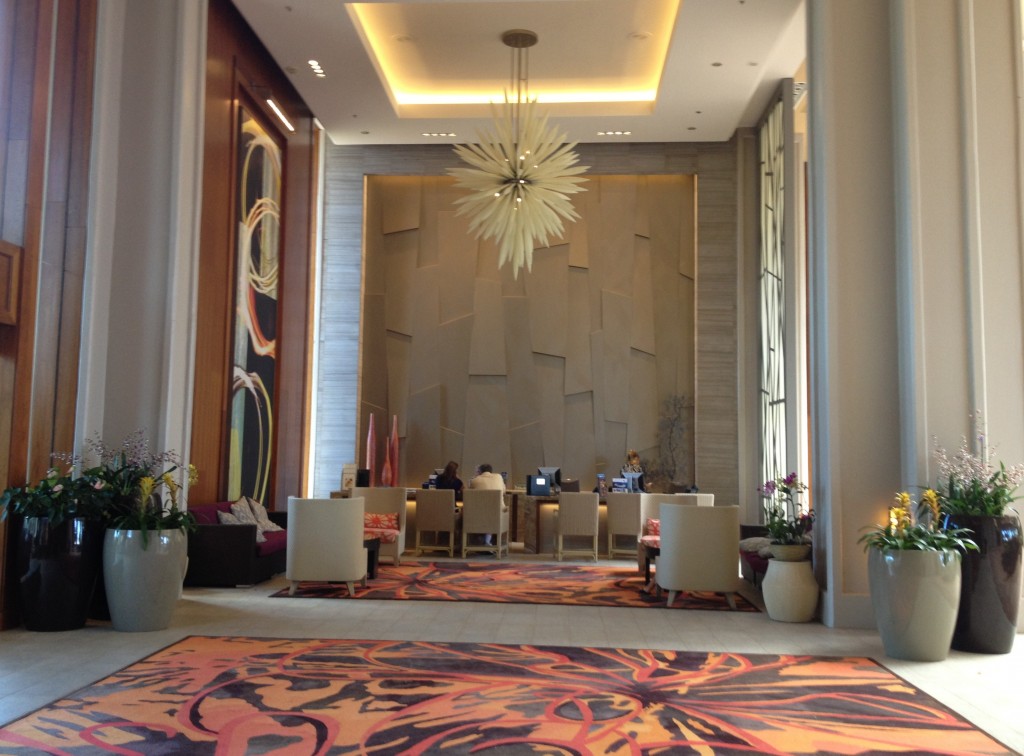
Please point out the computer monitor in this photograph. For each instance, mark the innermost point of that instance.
(634, 481)
(554, 476)
(538, 485)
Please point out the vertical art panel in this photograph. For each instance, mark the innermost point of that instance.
(254, 352)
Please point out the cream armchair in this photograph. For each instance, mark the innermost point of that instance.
(649, 504)
(577, 516)
(325, 542)
(484, 512)
(387, 501)
(700, 549)
(624, 522)
(436, 513)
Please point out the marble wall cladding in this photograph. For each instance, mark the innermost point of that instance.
(565, 365)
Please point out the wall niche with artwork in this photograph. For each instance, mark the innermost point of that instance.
(565, 365)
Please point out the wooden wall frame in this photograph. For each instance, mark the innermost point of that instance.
(10, 281)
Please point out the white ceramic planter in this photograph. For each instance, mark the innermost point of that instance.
(915, 595)
(143, 584)
(790, 591)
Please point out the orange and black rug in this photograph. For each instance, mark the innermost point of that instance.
(514, 583)
(207, 695)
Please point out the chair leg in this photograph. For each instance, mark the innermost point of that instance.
(292, 588)
(595, 548)
(463, 544)
(731, 599)
(364, 581)
(671, 598)
(558, 547)
(351, 588)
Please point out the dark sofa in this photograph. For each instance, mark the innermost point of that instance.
(228, 555)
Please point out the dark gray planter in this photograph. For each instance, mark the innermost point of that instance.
(58, 566)
(990, 592)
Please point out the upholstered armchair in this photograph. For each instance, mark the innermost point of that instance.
(699, 550)
(325, 542)
(386, 501)
(436, 513)
(577, 516)
(649, 504)
(484, 513)
(623, 522)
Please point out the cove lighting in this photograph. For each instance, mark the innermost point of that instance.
(280, 114)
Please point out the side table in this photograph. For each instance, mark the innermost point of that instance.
(372, 546)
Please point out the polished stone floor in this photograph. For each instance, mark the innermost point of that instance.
(36, 668)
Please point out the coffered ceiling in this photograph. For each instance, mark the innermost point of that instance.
(420, 72)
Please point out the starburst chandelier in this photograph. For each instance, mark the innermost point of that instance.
(522, 174)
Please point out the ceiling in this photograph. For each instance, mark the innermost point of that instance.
(667, 70)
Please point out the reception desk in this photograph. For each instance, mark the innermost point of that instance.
(537, 515)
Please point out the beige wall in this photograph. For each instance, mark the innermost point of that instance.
(719, 455)
(565, 365)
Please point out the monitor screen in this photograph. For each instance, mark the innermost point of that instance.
(554, 475)
(538, 485)
(634, 481)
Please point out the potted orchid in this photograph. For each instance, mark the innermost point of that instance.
(787, 523)
(144, 551)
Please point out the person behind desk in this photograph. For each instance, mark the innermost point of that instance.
(487, 480)
(633, 466)
(450, 479)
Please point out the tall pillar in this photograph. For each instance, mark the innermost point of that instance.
(916, 272)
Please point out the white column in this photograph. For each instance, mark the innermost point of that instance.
(916, 265)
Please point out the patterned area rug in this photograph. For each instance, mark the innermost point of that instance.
(514, 583)
(248, 695)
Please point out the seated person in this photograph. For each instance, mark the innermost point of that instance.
(487, 479)
(450, 479)
(633, 466)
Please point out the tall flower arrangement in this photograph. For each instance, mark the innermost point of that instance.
(785, 518)
(972, 484)
(132, 478)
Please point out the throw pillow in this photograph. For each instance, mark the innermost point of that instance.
(756, 543)
(226, 518)
(652, 527)
(380, 521)
(262, 518)
(243, 512)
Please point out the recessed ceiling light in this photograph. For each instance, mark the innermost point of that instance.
(716, 65)
(614, 133)
(317, 68)
(691, 128)
(402, 38)
(640, 36)
(438, 134)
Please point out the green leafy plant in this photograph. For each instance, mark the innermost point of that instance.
(132, 479)
(917, 527)
(971, 484)
(59, 497)
(784, 516)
